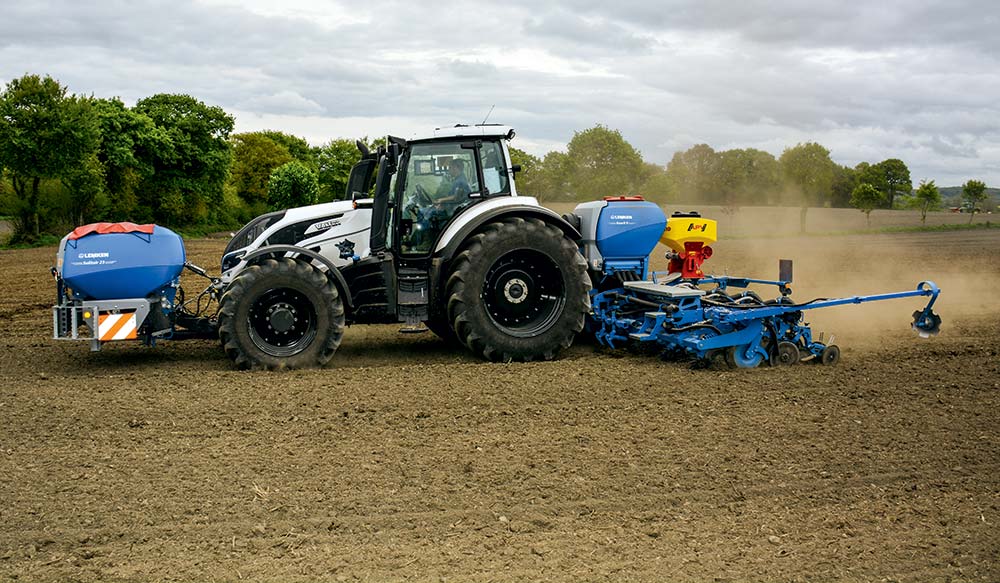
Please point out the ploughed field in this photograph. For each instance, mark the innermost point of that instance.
(409, 459)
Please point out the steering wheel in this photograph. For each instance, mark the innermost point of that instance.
(423, 199)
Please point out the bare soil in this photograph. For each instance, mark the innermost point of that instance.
(409, 459)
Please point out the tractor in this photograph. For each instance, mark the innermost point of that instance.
(481, 265)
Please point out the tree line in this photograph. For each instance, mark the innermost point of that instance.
(68, 159)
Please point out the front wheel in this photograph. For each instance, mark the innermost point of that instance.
(518, 290)
(281, 314)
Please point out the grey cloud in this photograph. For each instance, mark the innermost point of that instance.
(914, 80)
(596, 33)
(283, 102)
(816, 23)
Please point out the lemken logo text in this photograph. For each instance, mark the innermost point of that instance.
(621, 217)
(94, 255)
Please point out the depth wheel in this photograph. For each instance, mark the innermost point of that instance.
(281, 314)
(785, 354)
(830, 355)
(518, 290)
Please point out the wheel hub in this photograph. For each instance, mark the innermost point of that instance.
(515, 290)
(281, 317)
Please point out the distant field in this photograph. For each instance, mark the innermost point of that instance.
(760, 220)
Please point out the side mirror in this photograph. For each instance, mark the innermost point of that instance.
(515, 168)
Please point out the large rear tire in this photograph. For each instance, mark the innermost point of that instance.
(281, 314)
(518, 290)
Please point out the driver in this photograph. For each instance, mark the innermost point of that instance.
(454, 187)
(450, 194)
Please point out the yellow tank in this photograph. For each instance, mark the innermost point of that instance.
(682, 230)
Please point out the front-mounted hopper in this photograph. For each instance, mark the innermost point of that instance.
(120, 281)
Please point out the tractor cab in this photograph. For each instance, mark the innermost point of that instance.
(423, 183)
(440, 177)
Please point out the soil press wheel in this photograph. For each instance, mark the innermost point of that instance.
(281, 314)
(518, 290)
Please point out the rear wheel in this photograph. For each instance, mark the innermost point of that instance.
(518, 290)
(281, 314)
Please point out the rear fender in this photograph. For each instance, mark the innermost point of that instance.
(473, 218)
(297, 253)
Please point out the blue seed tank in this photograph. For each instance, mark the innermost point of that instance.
(628, 229)
(112, 261)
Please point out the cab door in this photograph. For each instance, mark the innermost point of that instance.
(437, 183)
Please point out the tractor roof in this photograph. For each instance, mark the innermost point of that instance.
(460, 130)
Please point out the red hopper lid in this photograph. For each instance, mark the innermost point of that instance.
(105, 228)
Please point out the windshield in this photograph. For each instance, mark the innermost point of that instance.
(440, 177)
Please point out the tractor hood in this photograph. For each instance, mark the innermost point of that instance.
(302, 226)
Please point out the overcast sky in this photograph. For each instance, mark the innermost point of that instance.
(914, 79)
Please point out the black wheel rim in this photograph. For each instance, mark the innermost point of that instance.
(524, 293)
(282, 322)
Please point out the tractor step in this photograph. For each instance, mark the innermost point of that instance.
(417, 329)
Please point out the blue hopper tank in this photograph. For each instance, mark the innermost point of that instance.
(111, 261)
(629, 228)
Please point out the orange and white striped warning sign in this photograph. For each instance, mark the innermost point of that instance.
(116, 327)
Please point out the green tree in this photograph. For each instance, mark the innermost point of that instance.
(189, 172)
(335, 160)
(866, 199)
(529, 179)
(869, 174)
(895, 178)
(85, 184)
(845, 179)
(554, 183)
(809, 173)
(747, 176)
(603, 164)
(973, 193)
(292, 185)
(255, 157)
(927, 197)
(297, 147)
(129, 144)
(657, 185)
(44, 134)
(695, 174)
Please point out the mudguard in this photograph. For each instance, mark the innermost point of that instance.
(479, 214)
(331, 269)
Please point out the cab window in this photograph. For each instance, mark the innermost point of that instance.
(494, 170)
(439, 179)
